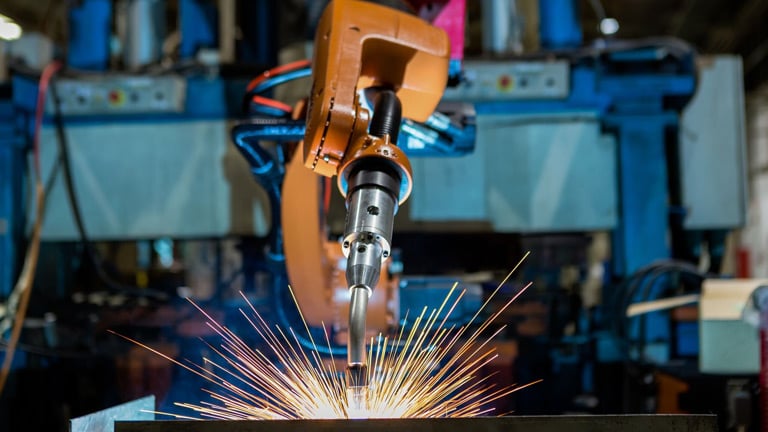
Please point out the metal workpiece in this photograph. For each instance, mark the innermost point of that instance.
(105, 420)
(579, 423)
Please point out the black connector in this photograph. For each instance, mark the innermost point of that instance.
(387, 114)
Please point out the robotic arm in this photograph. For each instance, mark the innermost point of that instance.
(366, 51)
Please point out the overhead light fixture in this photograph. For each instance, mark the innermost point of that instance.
(609, 26)
(9, 30)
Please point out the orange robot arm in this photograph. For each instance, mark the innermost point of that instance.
(360, 45)
(402, 62)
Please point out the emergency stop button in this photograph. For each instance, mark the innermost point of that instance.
(505, 83)
(116, 97)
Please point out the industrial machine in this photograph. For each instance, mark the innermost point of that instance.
(596, 157)
(611, 123)
(403, 63)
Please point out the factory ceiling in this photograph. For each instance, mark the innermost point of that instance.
(712, 26)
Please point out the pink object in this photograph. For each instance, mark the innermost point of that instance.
(447, 15)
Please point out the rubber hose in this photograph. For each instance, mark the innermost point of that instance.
(387, 113)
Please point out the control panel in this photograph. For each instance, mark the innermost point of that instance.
(120, 94)
(495, 81)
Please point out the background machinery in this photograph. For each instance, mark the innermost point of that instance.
(172, 172)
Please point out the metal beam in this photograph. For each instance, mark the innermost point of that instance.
(606, 423)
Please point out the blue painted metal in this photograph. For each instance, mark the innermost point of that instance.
(90, 31)
(12, 172)
(559, 24)
(199, 26)
(455, 68)
(687, 339)
(641, 236)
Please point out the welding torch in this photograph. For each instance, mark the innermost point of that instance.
(373, 190)
(399, 63)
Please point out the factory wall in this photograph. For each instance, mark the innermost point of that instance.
(754, 236)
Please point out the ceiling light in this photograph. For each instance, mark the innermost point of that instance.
(609, 26)
(9, 30)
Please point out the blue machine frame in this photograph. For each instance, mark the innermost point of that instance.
(12, 174)
(90, 34)
(640, 109)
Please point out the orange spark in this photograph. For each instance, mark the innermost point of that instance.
(430, 370)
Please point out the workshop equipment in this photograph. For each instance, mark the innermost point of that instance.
(569, 140)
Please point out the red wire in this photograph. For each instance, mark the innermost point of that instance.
(277, 71)
(261, 100)
(42, 90)
(327, 195)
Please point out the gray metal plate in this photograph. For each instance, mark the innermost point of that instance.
(104, 421)
(549, 173)
(712, 147)
(528, 173)
(623, 423)
(154, 179)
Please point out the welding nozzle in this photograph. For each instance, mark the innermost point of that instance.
(357, 376)
(358, 304)
(357, 390)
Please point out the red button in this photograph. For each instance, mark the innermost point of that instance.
(505, 82)
(116, 97)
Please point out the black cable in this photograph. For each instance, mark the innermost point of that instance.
(643, 281)
(387, 115)
(75, 206)
(680, 271)
(53, 175)
(52, 352)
